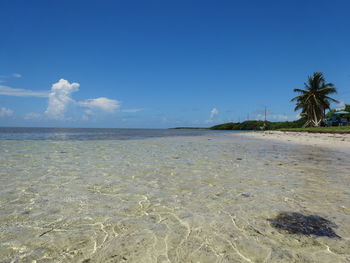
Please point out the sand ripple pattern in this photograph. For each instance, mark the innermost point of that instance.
(177, 199)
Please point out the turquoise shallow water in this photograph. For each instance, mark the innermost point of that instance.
(189, 198)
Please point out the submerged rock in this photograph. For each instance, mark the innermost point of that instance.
(297, 223)
(245, 194)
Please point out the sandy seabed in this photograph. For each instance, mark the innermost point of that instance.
(329, 140)
(207, 198)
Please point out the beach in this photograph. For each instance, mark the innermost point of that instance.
(213, 197)
(174, 131)
(329, 140)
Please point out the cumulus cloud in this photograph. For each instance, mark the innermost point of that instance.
(8, 91)
(102, 103)
(60, 98)
(5, 112)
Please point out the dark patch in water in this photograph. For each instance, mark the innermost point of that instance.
(44, 233)
(297, 223)
(246, 194)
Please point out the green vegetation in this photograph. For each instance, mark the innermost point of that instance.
(314, 100)
(347, 108)
(259, 125)
(281, 126)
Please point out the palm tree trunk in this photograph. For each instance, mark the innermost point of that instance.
(306, 124)
(316, 122)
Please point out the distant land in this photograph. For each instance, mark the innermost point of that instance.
(254, 125)
(190, 128)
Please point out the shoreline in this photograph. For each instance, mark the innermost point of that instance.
(317, 131)
(339, 141)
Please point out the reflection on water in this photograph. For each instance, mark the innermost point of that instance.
(172, 199)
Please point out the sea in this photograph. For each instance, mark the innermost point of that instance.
(171, 195)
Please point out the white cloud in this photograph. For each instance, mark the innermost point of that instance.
(340, 106)
(85, 117)
(278, 117)
(132, 110)
(32, 116)
(89, 112)
(13, 75)
(213, 113)
(8, 91)
(5, 112)
(16, 75)
(102, 103)
(60, 98)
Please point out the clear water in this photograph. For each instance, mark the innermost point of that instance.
(82, 134)
(205, 198)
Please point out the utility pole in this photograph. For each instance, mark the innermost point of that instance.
(265, 117)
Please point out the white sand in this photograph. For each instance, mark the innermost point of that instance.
(336, 141)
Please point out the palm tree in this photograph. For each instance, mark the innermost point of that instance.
(314, 99)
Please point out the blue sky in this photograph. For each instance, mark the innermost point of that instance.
(159, 64)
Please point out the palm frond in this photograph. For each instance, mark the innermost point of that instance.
(331, 99)
(314, 99)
